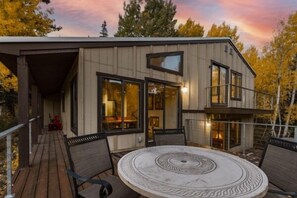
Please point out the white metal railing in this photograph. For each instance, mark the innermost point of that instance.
(239, 97)
(194, 126)
(8, 134)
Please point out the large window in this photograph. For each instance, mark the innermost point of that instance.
(236, 85)
(171, 62)
(74, 105)
(218, 84)
(120, 104)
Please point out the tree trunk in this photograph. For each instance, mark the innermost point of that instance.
(276, 109)
(290, 111)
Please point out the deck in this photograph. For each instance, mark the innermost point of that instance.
(47, 177)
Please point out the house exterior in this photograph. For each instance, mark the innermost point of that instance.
(128, 86)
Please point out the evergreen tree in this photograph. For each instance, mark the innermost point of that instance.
(156, 19)
(104, 32)
(25, 18)
(129, 23)
(225, 30)
(190, 29)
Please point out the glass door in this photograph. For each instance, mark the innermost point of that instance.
(218, 85)
(218, 131)
(163, 105)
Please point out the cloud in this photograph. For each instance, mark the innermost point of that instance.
(86, 16)
(255, 19)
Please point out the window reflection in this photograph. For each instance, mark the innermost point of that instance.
(236, 83)
(120, 105)
(171, 61)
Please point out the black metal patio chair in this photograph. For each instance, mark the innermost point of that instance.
(89, 156)
(170, 136)
(279, 162)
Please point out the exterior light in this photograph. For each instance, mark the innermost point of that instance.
(208, 122)
(184, 89)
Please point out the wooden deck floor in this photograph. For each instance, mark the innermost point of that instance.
(46, 177)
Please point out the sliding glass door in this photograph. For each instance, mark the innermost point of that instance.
(163, 107)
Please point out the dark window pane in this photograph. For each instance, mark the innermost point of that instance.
(171, 62)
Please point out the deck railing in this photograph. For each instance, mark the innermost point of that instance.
(238, 97)
(200, 131)
(9, 152)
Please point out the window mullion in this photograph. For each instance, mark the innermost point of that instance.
(123, 102)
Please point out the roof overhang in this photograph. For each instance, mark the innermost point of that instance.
(55, 55)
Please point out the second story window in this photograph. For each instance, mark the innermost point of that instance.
(171, 62)
(236, 86)
(219, 78)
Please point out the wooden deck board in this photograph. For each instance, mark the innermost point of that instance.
(61, 164)
(41, 186)
(53, 181)
(30, 187)
(47, 176)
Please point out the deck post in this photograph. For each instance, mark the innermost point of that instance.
(23, 110)
(34, 103)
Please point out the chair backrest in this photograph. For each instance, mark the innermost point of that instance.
(170, 136)
(279, 162)
(89, 155)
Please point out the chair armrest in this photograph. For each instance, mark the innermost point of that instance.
(292, 194)
(105, 190)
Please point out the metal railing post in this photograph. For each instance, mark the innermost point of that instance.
(30, 137)
(295, 134)
(9, 167)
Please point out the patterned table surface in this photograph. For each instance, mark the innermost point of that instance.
(184, 171)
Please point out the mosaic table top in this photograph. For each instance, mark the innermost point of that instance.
(184, 171)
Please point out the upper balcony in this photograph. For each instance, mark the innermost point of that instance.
(232, 99)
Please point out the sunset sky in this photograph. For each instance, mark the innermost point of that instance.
(256, 19)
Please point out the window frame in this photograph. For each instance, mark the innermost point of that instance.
(122, 131)
(165, 54)
(240, 134)
(219, 65)
(74, 105)
(179, 103)
(237, 74)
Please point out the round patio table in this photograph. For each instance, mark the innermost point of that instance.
(184, 171)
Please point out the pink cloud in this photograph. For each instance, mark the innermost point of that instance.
(255, 19)
(86, 16)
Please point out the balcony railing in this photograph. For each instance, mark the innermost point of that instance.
(238, 97)
(8, 134)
